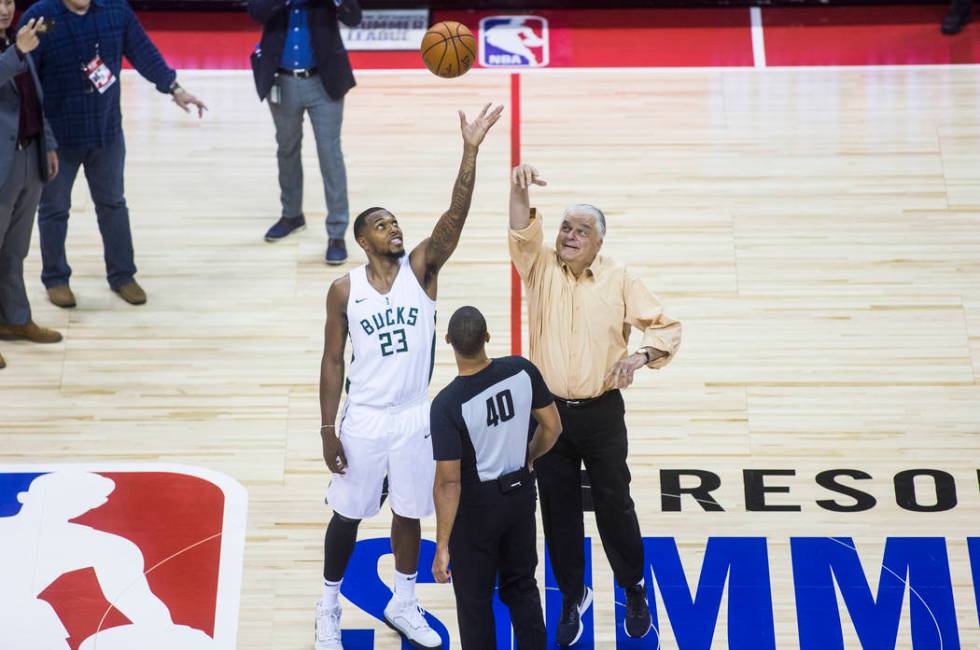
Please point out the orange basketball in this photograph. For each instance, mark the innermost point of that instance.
(449, 49)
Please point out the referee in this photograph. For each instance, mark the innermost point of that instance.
(581, 307)
(484, 492)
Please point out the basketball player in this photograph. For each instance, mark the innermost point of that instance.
(387, 307)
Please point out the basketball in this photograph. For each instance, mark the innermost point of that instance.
(449, 49)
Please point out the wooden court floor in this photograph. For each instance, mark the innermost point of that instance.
(817, 232)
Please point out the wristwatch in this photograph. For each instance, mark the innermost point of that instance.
(175, 88)
(646, 353)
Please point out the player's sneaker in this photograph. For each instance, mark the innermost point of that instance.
(408, 619)
(327, 628)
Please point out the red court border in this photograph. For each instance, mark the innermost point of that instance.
(515, 159)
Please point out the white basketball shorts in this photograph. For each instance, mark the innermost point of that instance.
(385, 441)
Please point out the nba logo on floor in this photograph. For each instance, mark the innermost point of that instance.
(514, 41)
(119, 557)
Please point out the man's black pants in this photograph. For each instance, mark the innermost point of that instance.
(495, 533)
(596, 434)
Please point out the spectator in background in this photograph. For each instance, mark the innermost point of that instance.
(958, 16)
(79, 63)
(27, 161)
(301, 67)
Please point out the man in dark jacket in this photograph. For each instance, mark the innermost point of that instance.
(27, 160)
(301, 67)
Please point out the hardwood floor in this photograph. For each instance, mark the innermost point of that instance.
(817, 232)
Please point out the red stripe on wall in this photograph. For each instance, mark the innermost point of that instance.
(880, 34)
(874, 35)
(630, 38)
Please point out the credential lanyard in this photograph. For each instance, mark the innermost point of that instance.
(76, 40)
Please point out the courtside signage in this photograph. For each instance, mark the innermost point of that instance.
(514, 42)
(400, 29)
(120, 557)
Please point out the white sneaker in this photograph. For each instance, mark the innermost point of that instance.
(327, 628)
(408, 619)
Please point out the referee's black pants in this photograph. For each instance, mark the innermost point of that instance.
(495, 534)
(596, 434)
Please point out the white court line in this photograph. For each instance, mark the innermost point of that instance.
(758, 40)
(912, 590)
(143, 577)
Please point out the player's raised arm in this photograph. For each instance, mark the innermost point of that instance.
(332, 373)
(432, 253)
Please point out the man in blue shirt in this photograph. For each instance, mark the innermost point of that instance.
(301, 67)
(79, 63)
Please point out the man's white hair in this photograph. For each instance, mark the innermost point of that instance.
(600, 219)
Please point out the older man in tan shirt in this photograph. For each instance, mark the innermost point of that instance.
(581, 308)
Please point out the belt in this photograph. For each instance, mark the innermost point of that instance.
(579, 403)
(509, 482)
(576, 403)
(25, 143)
(302, 73)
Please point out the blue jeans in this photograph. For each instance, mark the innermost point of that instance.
(104, 173)
(298, 98)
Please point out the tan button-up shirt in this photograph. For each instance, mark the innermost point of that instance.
(579, 328)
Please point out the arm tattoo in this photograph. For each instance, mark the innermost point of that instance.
(446, 234)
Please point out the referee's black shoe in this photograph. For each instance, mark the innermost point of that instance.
(637, 623)
(570, 624)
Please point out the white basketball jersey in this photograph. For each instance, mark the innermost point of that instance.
(393, 339)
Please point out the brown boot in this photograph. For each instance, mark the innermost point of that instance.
(3, 364)
(131, 293)
(31, 332)
(61, 296)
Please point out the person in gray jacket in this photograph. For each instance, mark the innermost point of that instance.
(28, 159)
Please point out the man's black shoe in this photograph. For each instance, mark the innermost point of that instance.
(637, 623)
(570, 623)
(955, 20)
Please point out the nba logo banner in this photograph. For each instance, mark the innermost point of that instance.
(514, 42)
(119, 557)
